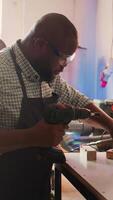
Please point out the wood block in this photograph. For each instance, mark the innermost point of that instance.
(88, 152)
(109, 154)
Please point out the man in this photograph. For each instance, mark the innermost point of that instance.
(29, 74)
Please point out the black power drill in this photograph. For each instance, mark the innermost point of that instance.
(58, 114)
(62, 114)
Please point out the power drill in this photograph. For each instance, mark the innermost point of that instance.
(56, 114)
(63, 114)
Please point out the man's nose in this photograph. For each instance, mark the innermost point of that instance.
(63, 62)
(62, 67)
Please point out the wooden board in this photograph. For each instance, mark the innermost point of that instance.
(87, 152)
(109, 154)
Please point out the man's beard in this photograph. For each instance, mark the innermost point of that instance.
(45, 74)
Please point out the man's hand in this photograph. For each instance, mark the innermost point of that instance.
(46, 135)
(103, 121)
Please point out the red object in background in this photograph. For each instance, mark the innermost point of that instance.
(106, 73)
(112, 107)
(103, 82)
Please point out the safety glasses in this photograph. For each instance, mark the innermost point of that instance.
(63, 59)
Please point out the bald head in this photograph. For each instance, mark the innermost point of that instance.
(57, 29)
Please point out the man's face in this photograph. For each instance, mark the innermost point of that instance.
(53, 62)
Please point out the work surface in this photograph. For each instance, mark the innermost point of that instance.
(97, 175)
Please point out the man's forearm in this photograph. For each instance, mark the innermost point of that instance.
(102, 120)
(11, 140)
(40, 135)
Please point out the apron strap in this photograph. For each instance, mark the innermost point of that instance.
(18, 71)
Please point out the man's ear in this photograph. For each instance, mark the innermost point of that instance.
(40, 45)
(38, 42)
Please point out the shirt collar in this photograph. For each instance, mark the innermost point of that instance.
(24, 64)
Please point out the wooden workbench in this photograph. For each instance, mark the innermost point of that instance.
(93, 179)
